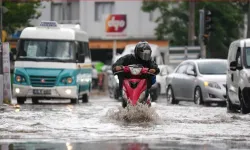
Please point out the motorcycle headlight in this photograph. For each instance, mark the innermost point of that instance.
(212, 85)
(135, 71)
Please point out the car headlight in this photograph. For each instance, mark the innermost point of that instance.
(135, 71)
(212, 85)
(20, 79)
(67, 80)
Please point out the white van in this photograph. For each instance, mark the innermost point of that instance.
(158, 87)
(238, 76)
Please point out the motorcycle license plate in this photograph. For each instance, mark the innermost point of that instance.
(41, 92)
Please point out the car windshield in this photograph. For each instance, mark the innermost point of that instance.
(213, 67)
(46, 50)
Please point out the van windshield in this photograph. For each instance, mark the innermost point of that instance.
(247, 56)
(46, 50)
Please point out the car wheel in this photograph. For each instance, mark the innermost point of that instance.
(170, 96)
(198, 96)
(20, 100)
(243, 108)
(85, 98)
(35, 101)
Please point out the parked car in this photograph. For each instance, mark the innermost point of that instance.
(238, 77)
(202, 81)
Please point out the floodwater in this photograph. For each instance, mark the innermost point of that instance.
(103, 124)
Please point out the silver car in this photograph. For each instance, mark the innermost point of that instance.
(202, 81)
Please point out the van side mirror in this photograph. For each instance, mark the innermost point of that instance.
(233, 65)
(81, 58)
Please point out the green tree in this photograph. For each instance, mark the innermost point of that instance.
(19, 14)
(227, 20)
(172, 23)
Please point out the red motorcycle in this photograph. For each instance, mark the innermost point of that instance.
(135, 85)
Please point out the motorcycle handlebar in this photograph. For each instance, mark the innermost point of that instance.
(126, 69)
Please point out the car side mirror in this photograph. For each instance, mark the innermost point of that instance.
(233, 65)
(81, 58)
(191, 73)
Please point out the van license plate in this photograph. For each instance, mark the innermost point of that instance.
(41, 92)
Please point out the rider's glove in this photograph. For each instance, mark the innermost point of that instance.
(152, 70)
(118, 68)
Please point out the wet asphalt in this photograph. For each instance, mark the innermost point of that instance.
(103, 124)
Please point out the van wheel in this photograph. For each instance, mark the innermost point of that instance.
(231, 108)
(74, 101)
(35, 101)
(243, 108)
(20, 100)
(85, 98)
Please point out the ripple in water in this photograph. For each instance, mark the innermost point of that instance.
(134, 114)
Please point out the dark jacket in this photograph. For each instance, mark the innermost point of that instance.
(131, 59)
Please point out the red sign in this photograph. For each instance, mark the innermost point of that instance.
(116, 23)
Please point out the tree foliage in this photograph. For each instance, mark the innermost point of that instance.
(173, 23)
(19, 14)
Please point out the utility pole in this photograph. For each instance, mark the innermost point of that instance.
(191, 27)
(1, 53)
(201, 33)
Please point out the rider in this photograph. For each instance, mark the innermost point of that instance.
(142, 55)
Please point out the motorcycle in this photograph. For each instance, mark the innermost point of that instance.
(135, 85)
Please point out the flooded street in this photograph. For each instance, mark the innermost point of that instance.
(100, 124)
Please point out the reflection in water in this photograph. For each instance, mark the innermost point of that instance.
(69, 146)
(134, 146)
(117, 145)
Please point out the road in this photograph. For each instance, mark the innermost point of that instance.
(100, 124)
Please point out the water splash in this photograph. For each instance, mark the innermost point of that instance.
(134, 114)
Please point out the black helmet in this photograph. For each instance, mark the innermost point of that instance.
(143, 51)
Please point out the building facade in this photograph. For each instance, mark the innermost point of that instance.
(91, 15)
